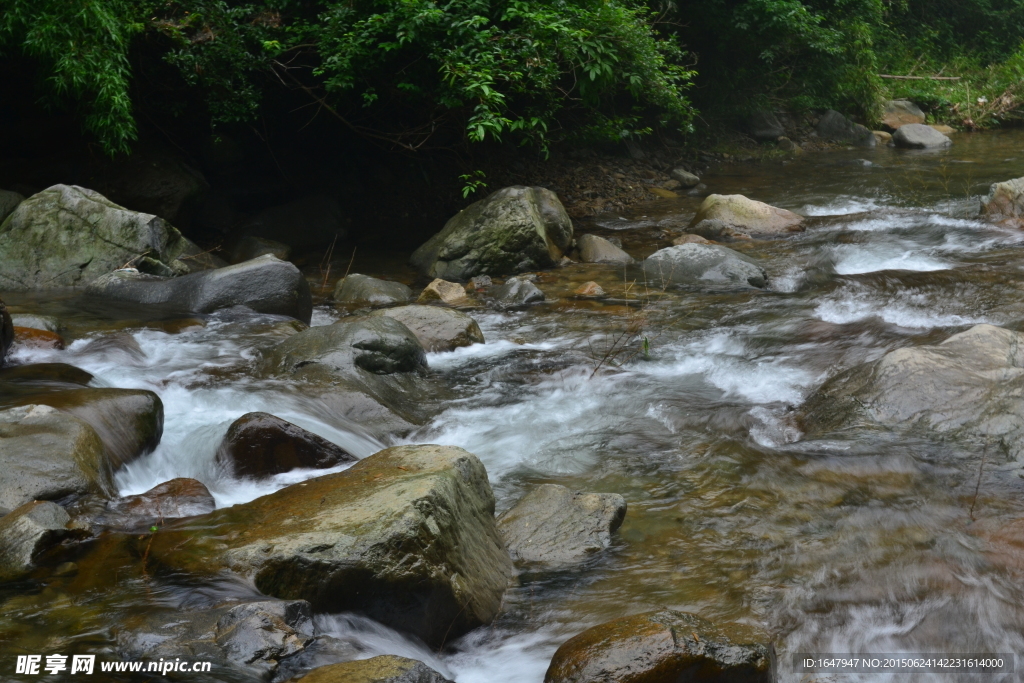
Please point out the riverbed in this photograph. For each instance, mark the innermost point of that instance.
(682, 401)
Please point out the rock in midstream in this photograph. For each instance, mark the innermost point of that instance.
(27, 531)
(594, 249)
(265, 285)
(968, 386)
(175, 499)
(405, 536)
(363, 290)
(512, 230)
(67, 236)
(919, 136)
(437, 328)
(1005, 203)
(663, 647)
(517, 292)
(381, 669)
(554, 526)
(705, 265)
(261, 445)
(746, 216)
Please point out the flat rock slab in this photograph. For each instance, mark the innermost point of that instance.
(554, 526)
(382, 669)
(663, 647)
(261, 445)
(405, 536)
(436, 328)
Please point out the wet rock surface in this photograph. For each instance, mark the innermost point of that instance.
(555, 526)
(261, 445)
(27, 531)
(38, 339)
(919, 136)
(663, 647)
(516, 293)
(382, 669)
(512, 230)
(174, 499)
(707, 265)
(1005, 203)
(342, 542)
(363, 290)
(265, 285)
(436, 328)
(747, 216)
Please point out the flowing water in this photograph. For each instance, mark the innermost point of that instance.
(868, 541)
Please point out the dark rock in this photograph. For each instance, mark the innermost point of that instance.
(8, 203)
(1005, 203)
(268, 631)
(261, 445)
(836, 127)
(405, 536)
(594, 249)
(27, 531)
(512, 230)
(919, 136)
(265, 285)
(556, 527)
(174, 499)
(251, 247)
(382, 669)
(436, 328)
(67, 236)
(516, 292)
(18, 382)
(746, 216)
(898, 113)
(705, 265)
(663, 647)
(764, 126)
(363, 290)
(6, 333)
(304, 223)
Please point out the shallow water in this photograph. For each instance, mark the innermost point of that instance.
(864, 542)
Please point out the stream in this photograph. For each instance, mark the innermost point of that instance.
(868, 541)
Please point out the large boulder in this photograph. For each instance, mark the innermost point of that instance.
(307, 222)
(261, 445)
(8, 203)
(405, 536)
(704, 265)
(834, 126)
(67, 236)
(437, 328)
(363, 290)
(1005, 203)
(6, 332)
(919, 136)
(382, 669)
(663, 647)
(594, 249)
(764, 126)
(554, 526)
(510, 231)
(747, 216)
(265, 285)
(370, 368)
(898, 113)
(27, 531)
(968, 386)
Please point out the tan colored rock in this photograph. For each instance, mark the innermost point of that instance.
(382, 669)
(590, 289)
(450, 293)
(898, 113)
(662, 192)
(1005, 203)
(944, 129)
(882, 137)
(689, 239)
(747, 215)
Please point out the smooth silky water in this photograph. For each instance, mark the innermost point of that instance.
(863, 542)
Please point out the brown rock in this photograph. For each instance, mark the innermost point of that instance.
(439, 290)
(944, 129)
(1005, 203)
(383, 669)
(881, 137)
(261, 445)
(38, 339)
(689, 239)
(590, 289)
(899, 113)
(172, 499)
(663, 647)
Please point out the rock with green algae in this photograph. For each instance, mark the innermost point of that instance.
(406, 536)
(663, 647)
(67, 236)
(513, 230)
(382, 669)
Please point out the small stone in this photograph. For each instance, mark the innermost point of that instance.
(38, 339)
(594, 249)
(881, 137)
(590, 289)
(689, 239)
(518, 292)
(684, 177)
(479, 282)
(450, 293)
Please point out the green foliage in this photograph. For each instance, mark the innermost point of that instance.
(472, 182)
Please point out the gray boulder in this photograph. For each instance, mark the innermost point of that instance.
(664, 646)
(1005, 203)
(684, 178)
(898, 113)
(27, 531)
(437, 328)
(67, 236)
(251, 247)
(8, 203)
(512, 230)
(363, 290)
(382, 669)
(919, 136)
(37, 322)
(834, 126)
(261, 445)
(594, 249)
(556, 527)
(308, 222)
(746, 216)
(405, 536)
(265, 285)
(968, 387)
(764, 126)
(516, 292)
(706, 265)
